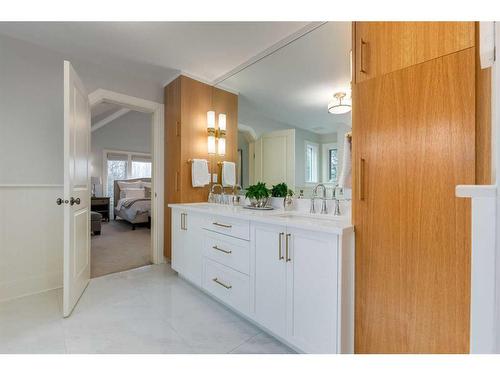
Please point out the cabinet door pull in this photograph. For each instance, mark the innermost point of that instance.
(361, 179)
(280, 246)
(288, 259)
(222, 250)
(362, 68)
(222, 225)
(183, 221)
(221, 283)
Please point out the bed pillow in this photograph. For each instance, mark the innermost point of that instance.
(146, 184)
(134, 193)
(129, 185)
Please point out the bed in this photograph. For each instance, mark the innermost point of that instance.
(135, 210)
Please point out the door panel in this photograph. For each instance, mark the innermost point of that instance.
(414, 131)
(384, 47)
(270, 279)
(76, 189)
(312, 291)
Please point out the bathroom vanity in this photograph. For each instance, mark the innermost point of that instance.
(290, 273)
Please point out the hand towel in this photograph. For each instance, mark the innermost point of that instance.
(228, 173)
(199, 173)
(345, 174)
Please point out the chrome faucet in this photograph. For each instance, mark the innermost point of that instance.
(215, 198)
(336, 200)
(236, 197)
(323, 198)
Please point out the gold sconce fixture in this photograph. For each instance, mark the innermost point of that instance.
(216, 137)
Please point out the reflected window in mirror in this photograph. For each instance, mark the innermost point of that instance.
(333, 162)
(311, 162)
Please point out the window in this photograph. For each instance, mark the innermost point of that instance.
(123, 165)
(333, 162)
(311, 162)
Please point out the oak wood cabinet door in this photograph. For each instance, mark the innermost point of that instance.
(384, 47)
(413, 142)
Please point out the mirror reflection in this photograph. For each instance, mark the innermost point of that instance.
(294, 113)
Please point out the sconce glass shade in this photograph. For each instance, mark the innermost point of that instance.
(336, 106)
(211, 132)
(222, 121)
(221, 149)
(211, 144)
(211, 119)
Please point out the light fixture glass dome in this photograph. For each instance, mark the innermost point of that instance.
(336, 106)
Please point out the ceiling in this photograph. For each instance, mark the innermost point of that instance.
(294, 84)
(102, 110)
(206, 50)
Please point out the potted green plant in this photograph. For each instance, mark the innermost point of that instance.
(258, 194)
(281, 190)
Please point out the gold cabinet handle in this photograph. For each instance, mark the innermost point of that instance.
(222, 250)
(361, 179)
(221, 283)
(362, 68)
(222, 225)
(280, 246)
(288, 259)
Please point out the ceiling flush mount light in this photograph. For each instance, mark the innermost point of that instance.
(211, 132)
(221, 145)
(336, 106)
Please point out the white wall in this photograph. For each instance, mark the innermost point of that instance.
(31, 158)
(130, 132)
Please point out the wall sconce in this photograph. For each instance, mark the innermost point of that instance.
(213, 135)
(221, 149)
(211, 132)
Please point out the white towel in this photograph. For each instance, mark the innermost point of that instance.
(228, 173)
(345, 174)
(199, 173)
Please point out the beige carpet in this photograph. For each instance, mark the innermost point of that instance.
(119, 248)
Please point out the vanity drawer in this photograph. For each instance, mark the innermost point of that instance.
(227, 225)
(230, 286)
(229, 251)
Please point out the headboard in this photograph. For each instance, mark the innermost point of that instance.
(116, 188)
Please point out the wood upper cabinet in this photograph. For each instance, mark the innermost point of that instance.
(413, 142)
(384, 47)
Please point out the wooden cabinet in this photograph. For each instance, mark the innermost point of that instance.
(270, 278)
(384, 47)
(413, 142)
(187, 245)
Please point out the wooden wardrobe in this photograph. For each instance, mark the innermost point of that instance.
(420, 115)
(186, 104)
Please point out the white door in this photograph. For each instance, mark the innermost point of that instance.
(270, 278)
(76, 189)
(194, 247)
(275, 158)
(179, 234)
(312, 291)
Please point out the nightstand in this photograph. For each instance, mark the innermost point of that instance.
(101, 205)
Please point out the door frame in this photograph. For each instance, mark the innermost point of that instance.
(157, 111)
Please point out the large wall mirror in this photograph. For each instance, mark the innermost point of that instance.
(286, 132)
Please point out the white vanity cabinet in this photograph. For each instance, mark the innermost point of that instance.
(297, 281)
(187, 244)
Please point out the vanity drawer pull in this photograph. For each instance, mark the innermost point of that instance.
(221, 283)
(288, 259)
(222, 225)
(222, 250)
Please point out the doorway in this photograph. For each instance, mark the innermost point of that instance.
(121, 168)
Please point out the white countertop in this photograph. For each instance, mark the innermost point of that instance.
(317, 222)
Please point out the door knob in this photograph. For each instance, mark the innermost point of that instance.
(60, 201)
(72, 201)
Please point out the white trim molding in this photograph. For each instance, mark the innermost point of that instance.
(483, 324)
(157, 110)
(105, 121)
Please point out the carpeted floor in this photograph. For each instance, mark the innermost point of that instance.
(119, 248)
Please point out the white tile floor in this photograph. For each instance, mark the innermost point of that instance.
(146, 310)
